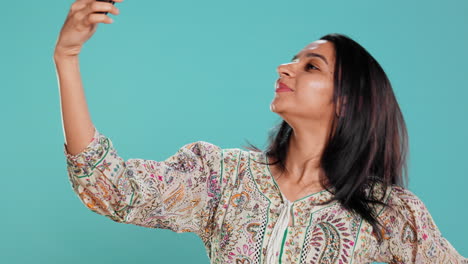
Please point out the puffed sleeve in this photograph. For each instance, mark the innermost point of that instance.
(412, 235)
(180, 193)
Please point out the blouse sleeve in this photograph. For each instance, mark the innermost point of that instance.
(412, 235)
(180, 193)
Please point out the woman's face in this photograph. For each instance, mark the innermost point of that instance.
(310, 76)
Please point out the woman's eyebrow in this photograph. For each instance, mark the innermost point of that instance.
(312, 54)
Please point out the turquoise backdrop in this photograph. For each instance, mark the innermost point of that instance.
(166, 73)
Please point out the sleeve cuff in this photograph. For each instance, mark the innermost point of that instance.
(83, 163)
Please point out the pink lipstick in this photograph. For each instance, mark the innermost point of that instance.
(281, 87)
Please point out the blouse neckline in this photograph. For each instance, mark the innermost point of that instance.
(319, 196)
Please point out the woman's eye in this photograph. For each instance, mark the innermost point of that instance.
(310, 66)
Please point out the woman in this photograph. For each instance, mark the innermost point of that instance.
(329, 188)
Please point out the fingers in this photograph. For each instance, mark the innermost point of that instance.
(99, 18)
(92, 11)
(89, 1)
(95, 6)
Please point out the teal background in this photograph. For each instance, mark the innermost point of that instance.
(166, 73)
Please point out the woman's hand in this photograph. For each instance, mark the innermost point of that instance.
(81, 23)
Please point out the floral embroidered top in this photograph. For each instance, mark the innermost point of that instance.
(232, 202)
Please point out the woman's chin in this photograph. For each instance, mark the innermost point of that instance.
(277, 107)
(272, 108)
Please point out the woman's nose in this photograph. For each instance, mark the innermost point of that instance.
(285, 70)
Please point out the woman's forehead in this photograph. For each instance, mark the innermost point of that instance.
(321, 46)
(315, 44)
(318, 45)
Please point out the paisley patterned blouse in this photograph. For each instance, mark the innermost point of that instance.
(232, 202)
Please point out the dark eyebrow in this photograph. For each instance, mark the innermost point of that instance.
(312, 54)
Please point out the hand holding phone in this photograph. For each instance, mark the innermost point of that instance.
(81, 23)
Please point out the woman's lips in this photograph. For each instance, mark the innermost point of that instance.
(281, 87)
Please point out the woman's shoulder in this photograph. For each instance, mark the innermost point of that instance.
(201, 147)
(236, 154)
(227, 153)
(230, 158)
(391, 193)
(402, 201)
(400, 195)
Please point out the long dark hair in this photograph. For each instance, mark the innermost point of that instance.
(367, 148)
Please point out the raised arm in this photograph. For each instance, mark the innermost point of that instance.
(79, 26)
(180, 193)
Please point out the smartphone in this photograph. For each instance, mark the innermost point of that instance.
(108, 1)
